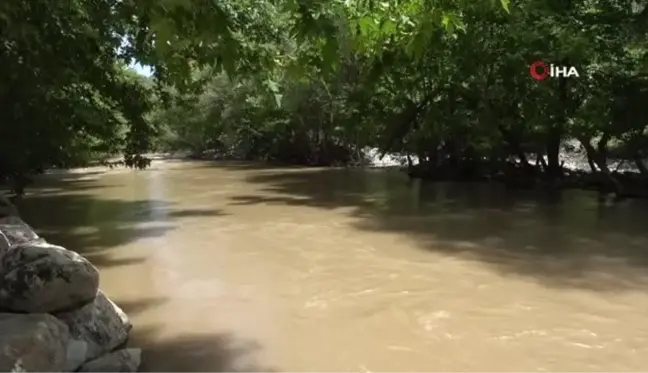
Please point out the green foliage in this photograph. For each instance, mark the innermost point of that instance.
(66, 95)
(447, 81)
(312, 81)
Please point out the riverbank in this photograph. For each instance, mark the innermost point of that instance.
(53, 317)
(623, 180)
(620, 184)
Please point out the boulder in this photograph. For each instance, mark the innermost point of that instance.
(32, 343)
(12, 229)
(39, 277)
(76, 354)
(95, 329)
(17, 231)
(127, 360)
(4, 244)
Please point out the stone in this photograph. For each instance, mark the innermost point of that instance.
(32, 343)
(77, 350)
(126, 360)
(39, 277)
(17, 231)
(5, 245)
(95, 329)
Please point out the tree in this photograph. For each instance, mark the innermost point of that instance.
(67, 95)
(65, 91)
(314, 82)
(449, 82)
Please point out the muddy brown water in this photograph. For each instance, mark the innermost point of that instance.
(237, 267)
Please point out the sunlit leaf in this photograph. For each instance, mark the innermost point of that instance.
(505, 4)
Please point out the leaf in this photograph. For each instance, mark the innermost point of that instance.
(446, 22)
(388, 28)
(278, 98)
(367, 25)
(455, 22)
(172, 4)
(330, 51)
(505, 5)
(272, 85)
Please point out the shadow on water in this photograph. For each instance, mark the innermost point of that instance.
(236, 165)
(69, 210)
(567, 240)
(221, 352)
(198, 353)
(64, 210)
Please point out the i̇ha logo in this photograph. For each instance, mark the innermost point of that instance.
(540, 71)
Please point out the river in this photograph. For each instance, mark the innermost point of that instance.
(239, 267)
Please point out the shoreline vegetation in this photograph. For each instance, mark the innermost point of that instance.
(617, 175)
(622, 179)
(447, 87)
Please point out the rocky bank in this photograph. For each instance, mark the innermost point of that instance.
(53, 317)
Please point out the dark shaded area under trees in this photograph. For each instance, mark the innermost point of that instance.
(316, 82)
(568, 241)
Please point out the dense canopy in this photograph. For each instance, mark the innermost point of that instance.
(315, 82)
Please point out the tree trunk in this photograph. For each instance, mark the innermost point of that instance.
(542, 162)
(553, 153)
(590, 161)
(555, 133)
(599, 156)
(641, 165)
(514, 145)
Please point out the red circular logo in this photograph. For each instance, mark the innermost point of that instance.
(539, 70)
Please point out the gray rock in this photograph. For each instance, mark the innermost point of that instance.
(32, 343)
(76, 353)
(96, 329)
(17, 231)
(39, 277)
(5, 245)
(127, 360)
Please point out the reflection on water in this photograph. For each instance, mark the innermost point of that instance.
(233, 267)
